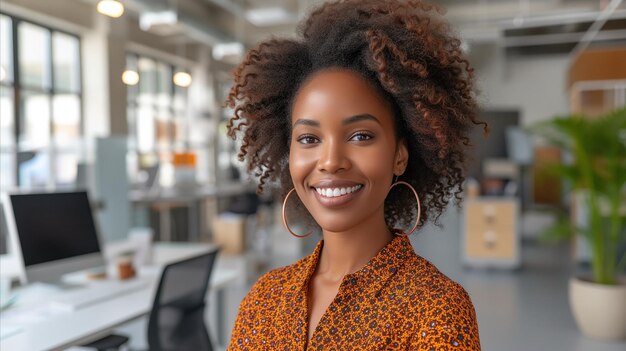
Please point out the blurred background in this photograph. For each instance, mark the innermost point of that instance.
(124, 99)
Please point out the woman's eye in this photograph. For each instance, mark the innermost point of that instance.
(361, 137)
(307, 139)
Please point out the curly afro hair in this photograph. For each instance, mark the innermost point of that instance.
(408, 52)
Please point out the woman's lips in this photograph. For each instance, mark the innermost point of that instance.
(339, 197)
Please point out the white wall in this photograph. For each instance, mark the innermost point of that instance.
(536, 85)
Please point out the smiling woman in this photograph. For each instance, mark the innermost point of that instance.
(344, 136)
(371, 91)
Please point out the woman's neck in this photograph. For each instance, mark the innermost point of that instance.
(348, 251)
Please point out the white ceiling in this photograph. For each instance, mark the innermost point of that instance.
(471, 16)
(478, 20)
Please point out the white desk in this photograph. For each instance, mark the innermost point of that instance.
(62, 330)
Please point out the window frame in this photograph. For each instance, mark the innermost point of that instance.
(20, 89)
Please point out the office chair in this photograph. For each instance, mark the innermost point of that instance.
(176, 320)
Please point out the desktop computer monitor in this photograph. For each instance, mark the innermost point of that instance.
(52, 233)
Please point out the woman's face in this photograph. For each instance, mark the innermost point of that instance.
(343, 152)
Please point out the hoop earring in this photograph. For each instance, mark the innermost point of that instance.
(285, 217)
(419, 208)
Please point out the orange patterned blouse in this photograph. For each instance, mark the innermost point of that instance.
(398, 301)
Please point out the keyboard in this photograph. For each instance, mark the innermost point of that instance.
(96, 292)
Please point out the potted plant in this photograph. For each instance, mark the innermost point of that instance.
(597, 174)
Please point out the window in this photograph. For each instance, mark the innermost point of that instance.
(40, 105)
(157, 114)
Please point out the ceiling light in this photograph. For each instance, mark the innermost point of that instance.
(130, 77)
(227, 50)
(182, 79)
(270, 16)
(111, 8)
(165, 19)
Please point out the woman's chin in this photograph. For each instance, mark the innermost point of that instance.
(330, 226)
(346, 220)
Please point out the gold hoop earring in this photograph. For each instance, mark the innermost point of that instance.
(419, 208)
(285, 217)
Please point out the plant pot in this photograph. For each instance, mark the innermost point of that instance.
(599, 310)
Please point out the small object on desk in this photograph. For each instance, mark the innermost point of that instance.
(125, 267)
(96, 274)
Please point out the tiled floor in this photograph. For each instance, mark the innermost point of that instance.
(524, 310)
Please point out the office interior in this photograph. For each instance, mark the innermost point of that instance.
(117, 107)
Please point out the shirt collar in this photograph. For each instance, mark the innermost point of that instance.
(372, 277)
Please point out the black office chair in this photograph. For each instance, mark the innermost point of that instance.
(177, 318)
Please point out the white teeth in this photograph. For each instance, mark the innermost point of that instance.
(334, 192)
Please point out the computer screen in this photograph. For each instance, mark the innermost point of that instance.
(56, 233)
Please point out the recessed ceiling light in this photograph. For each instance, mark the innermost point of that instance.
(182, 79)
(130, 77)
(111, 8)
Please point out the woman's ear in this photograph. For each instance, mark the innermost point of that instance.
(401, 159)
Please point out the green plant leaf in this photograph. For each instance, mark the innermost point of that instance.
(598, 149)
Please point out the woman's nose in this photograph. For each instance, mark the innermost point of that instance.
(332, 158)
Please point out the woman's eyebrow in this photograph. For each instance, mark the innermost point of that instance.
(361, 117)
(348, 120)
(306, 122)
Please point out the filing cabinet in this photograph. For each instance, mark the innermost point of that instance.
(491, 235)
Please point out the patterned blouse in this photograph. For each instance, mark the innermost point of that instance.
(398, 301)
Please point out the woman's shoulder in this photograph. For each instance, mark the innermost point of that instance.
(445, 308)
(425, 277)
(429, 288)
